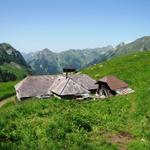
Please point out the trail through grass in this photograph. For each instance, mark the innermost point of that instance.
(7, 101)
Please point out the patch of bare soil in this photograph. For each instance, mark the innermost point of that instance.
(10, 99)
(120, 139)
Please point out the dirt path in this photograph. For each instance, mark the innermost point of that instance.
(9, 99)
(120, 139)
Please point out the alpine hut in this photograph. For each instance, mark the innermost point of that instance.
(65, 86)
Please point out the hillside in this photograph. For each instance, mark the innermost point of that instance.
(9, 54)
(141, 44)
(48, 62)
(121, 122)
(12, 64)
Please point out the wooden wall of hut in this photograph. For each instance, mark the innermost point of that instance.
(104, 89)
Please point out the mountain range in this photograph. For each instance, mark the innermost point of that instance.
(49, 62)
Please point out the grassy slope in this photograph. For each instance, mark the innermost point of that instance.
(47, 124)
(18, 70)
(7, 89)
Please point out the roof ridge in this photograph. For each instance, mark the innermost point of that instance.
(65, 86)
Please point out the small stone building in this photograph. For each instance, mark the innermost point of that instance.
(70, 86)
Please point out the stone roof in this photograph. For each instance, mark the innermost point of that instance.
(66, 86)
(33, 86)
(85, 81)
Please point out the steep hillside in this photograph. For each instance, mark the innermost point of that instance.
(9, 54)
(141, 44)
(48, 62)
(121, 122)
(12, 63)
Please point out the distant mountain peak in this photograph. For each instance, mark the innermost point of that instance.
(109, 47)
(145, 37)
(46, 49)
(9, 54)
(142, 39)
(120, 44)
(6, 46)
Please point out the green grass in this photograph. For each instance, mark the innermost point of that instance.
(7, 89)
(63, 124)
(18, 70)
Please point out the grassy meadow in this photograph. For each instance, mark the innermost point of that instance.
(121, 122)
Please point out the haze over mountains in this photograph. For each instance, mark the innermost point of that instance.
(48, 62)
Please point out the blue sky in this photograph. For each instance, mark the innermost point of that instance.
(31, 25)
